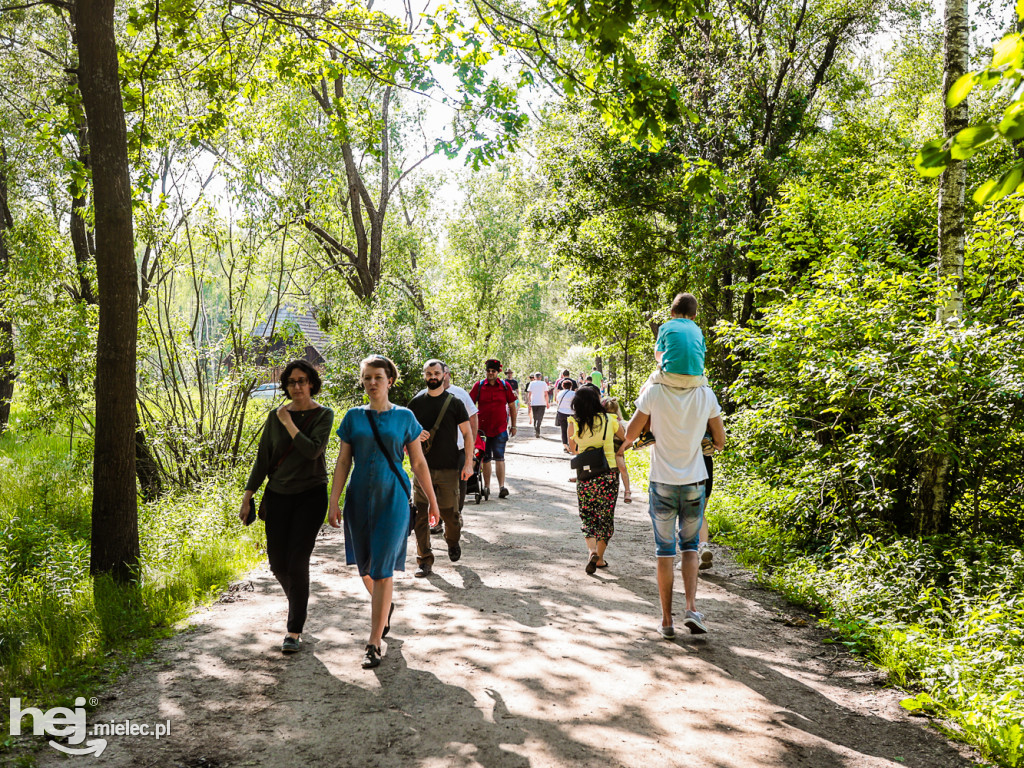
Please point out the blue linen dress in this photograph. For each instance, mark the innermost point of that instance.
(376, 512)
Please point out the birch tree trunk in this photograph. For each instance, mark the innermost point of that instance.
(115, 525)
(933, 502)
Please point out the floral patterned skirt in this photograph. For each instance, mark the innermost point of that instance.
(597, 498)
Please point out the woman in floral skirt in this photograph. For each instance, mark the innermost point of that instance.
(592, 427)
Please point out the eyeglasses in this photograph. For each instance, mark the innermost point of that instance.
(296, 382)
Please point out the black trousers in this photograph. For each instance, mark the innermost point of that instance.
(538, 415)
(293, 522)
(562, 420)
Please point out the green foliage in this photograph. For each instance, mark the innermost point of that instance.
(846, 375)
(60, 628)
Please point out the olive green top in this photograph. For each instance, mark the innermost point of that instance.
(304, 467)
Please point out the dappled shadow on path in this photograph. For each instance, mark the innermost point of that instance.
(512, 657)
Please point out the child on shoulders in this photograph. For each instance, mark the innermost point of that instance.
(680, 348)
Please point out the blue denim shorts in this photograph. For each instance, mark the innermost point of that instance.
(495, 447)
(677, 512)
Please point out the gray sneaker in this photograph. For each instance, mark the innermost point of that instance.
(695, 622)
(669, 632)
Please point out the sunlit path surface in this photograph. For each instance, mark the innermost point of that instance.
(512, 657)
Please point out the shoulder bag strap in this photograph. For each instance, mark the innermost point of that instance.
(444, 409)
(291, 445)
(380, 443)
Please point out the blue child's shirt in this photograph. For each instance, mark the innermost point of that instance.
(683, 345)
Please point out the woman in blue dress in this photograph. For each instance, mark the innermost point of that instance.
(377, 502)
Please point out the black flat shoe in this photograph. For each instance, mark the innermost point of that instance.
(371, 657)
(387, 627)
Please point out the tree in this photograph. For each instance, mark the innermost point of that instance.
(1004, 74)
(933, 504)
(115, 532)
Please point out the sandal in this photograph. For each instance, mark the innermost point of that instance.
(627, 497)
(371, 657)
(592, 563)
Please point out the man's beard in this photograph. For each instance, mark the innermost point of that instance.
(433, 384)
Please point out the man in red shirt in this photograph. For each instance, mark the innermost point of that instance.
(497, 403)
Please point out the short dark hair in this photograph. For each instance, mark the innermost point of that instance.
(435, 361)
(306, 368)
(566, 384)
(565, 372)
(684, 305)
(384, 363)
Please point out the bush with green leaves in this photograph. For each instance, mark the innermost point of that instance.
(847, 380)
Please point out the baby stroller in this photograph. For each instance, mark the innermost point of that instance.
(475, 483)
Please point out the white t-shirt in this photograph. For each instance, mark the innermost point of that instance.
(537, 388)
(564, 400)
(679, 418)
(467, 401)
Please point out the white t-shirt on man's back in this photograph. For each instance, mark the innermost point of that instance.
(537, 388)
(679, 419)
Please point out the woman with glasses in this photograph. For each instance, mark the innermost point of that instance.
(291, 455)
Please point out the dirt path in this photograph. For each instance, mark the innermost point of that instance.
(512, 657)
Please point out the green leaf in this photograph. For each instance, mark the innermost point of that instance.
(996, 189)
(932, 159)
(1005, 50)
(960, 89)
(1012, 124)
(971, 139)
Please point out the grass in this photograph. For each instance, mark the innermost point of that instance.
(62, 630)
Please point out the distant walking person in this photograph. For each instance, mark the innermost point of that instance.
(678, 418)
(377, 502)
(442, 416)
(512, 381)
(497, 403)
(596, 378)
(563, 401)
(591, 427)
(537, 392)
(291, 455)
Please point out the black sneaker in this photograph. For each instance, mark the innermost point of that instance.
(503, 493)
(454, 552)
(290, 645)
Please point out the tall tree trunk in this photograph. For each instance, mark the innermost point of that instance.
(933, 502)
(115, 524)
(6, 327)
